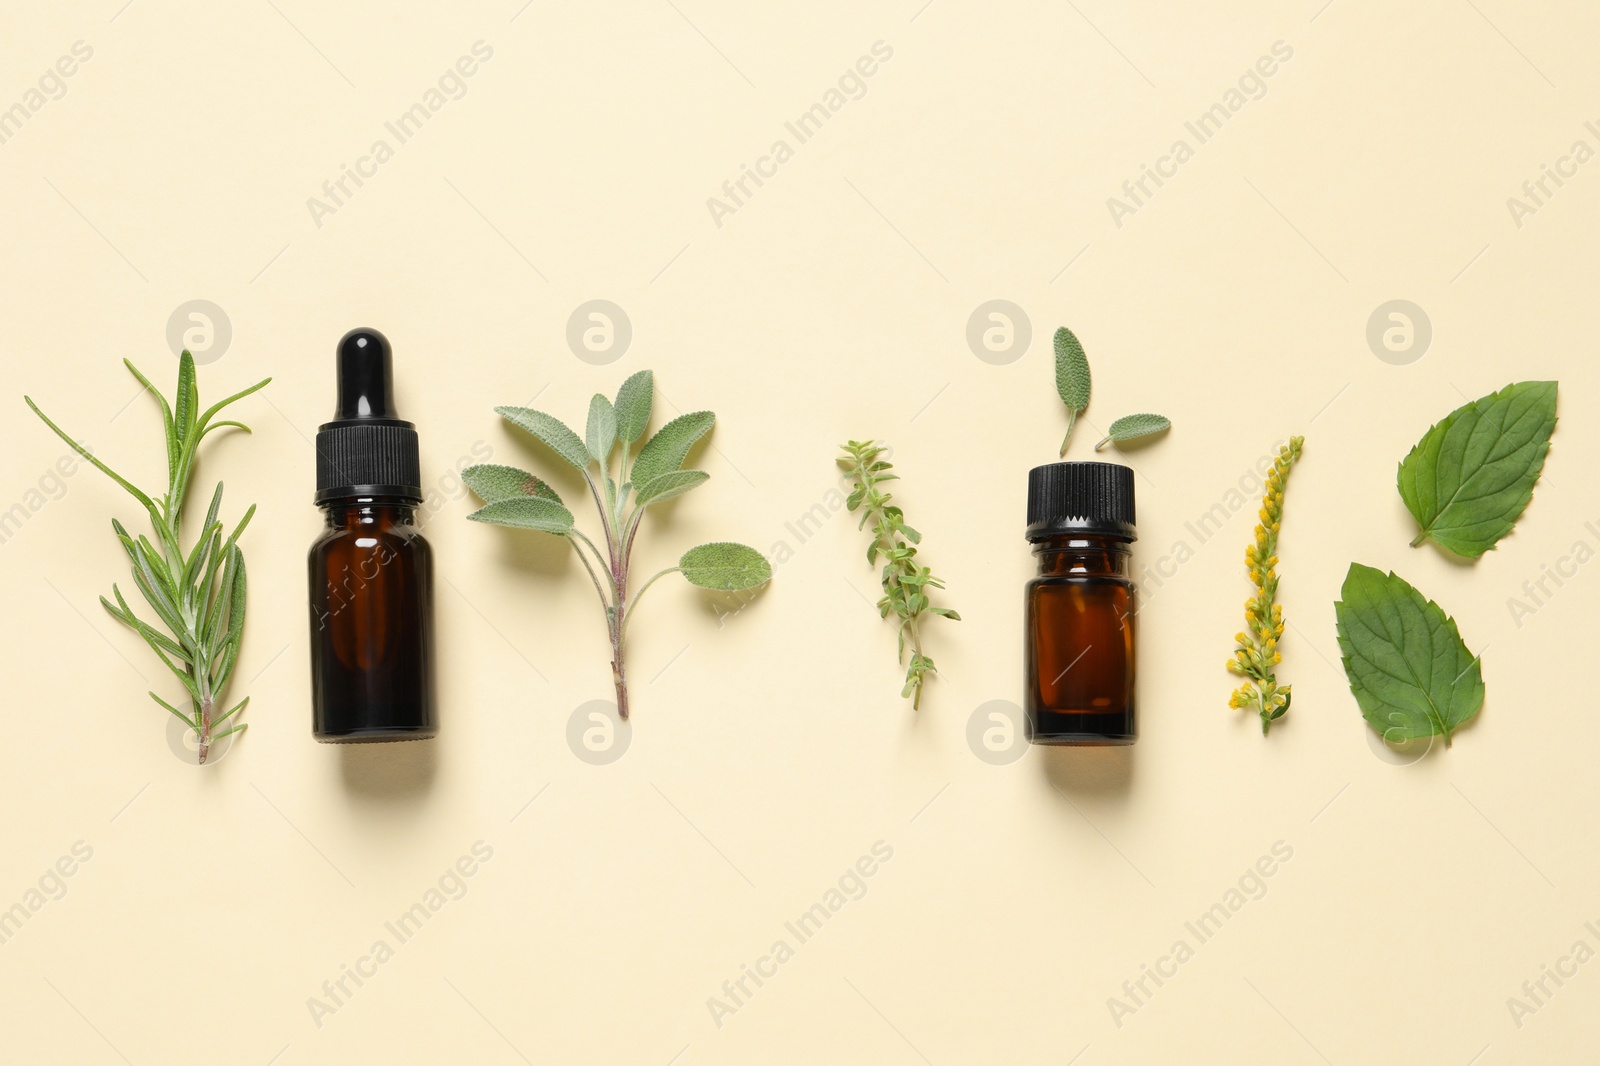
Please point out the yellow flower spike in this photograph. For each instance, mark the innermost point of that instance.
(1258, 647)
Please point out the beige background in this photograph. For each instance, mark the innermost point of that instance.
(771, 750)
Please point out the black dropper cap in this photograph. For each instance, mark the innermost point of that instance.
(1067, 498)
(366, 450)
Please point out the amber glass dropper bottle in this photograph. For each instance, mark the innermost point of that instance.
(371, 570)
(1079, 613)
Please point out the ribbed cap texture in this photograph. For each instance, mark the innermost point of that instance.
(368, 454)
(1086, 497)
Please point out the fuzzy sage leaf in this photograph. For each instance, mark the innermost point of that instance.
(725, 567)
(1132, 427)
(553, 432)
(623, 484)
(1072, 378)
(1407, 665)
(1471, 475)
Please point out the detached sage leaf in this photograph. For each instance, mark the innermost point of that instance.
(1072, 378)
(1131, 427)
(526, 512)
(1471, 475)
(668, 485)
(602, 429)
(553, 432)
(1409, 670)
(493, 481)
(725, 566)
(634, 401)
(666, 451)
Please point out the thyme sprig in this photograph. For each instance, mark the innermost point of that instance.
(905, 581)
(1257, 653)
(198, 595)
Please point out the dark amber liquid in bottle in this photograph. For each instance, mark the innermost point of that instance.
(371, 625)
(1079, 660)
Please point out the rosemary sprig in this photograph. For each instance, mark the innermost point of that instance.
(904, 581)
(199, 596)
(1257, 652)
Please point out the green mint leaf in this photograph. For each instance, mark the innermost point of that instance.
(725, 566)
(1072, 371)
(492, 482)
(602, 429)
(552, 431)
(666, 486)
(526, 512)
(1409, 670)
(1471, 475)
(666, 451)
(1131, 427)
(634, 401)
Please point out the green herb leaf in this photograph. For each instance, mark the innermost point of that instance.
(1131, 427)
(725, 566)
(1472, 474)
(526, 512)
(666, 451)
(1409, 670)
(634, 401)
(1072, 370)
(552, 431)
(1072, 378)
(492, 481)
(602, 429)
(666, 486)
(188, 399)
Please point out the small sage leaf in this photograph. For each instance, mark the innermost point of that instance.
(725, 566)
(1072, 371)
(1408, 668)
(1471, 475)
(552, 431)
(526, 512)
(1131, 427)
(492, 482)
(666, 486)
(634, 401)
(666, 451)
(602, 429)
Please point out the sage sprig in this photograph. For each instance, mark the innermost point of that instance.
(1256, 657)
(198, 595)
(1073, 384)
(623, 483)
(905, 581)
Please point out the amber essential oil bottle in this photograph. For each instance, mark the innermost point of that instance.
(1079, 655)
(371, 570)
